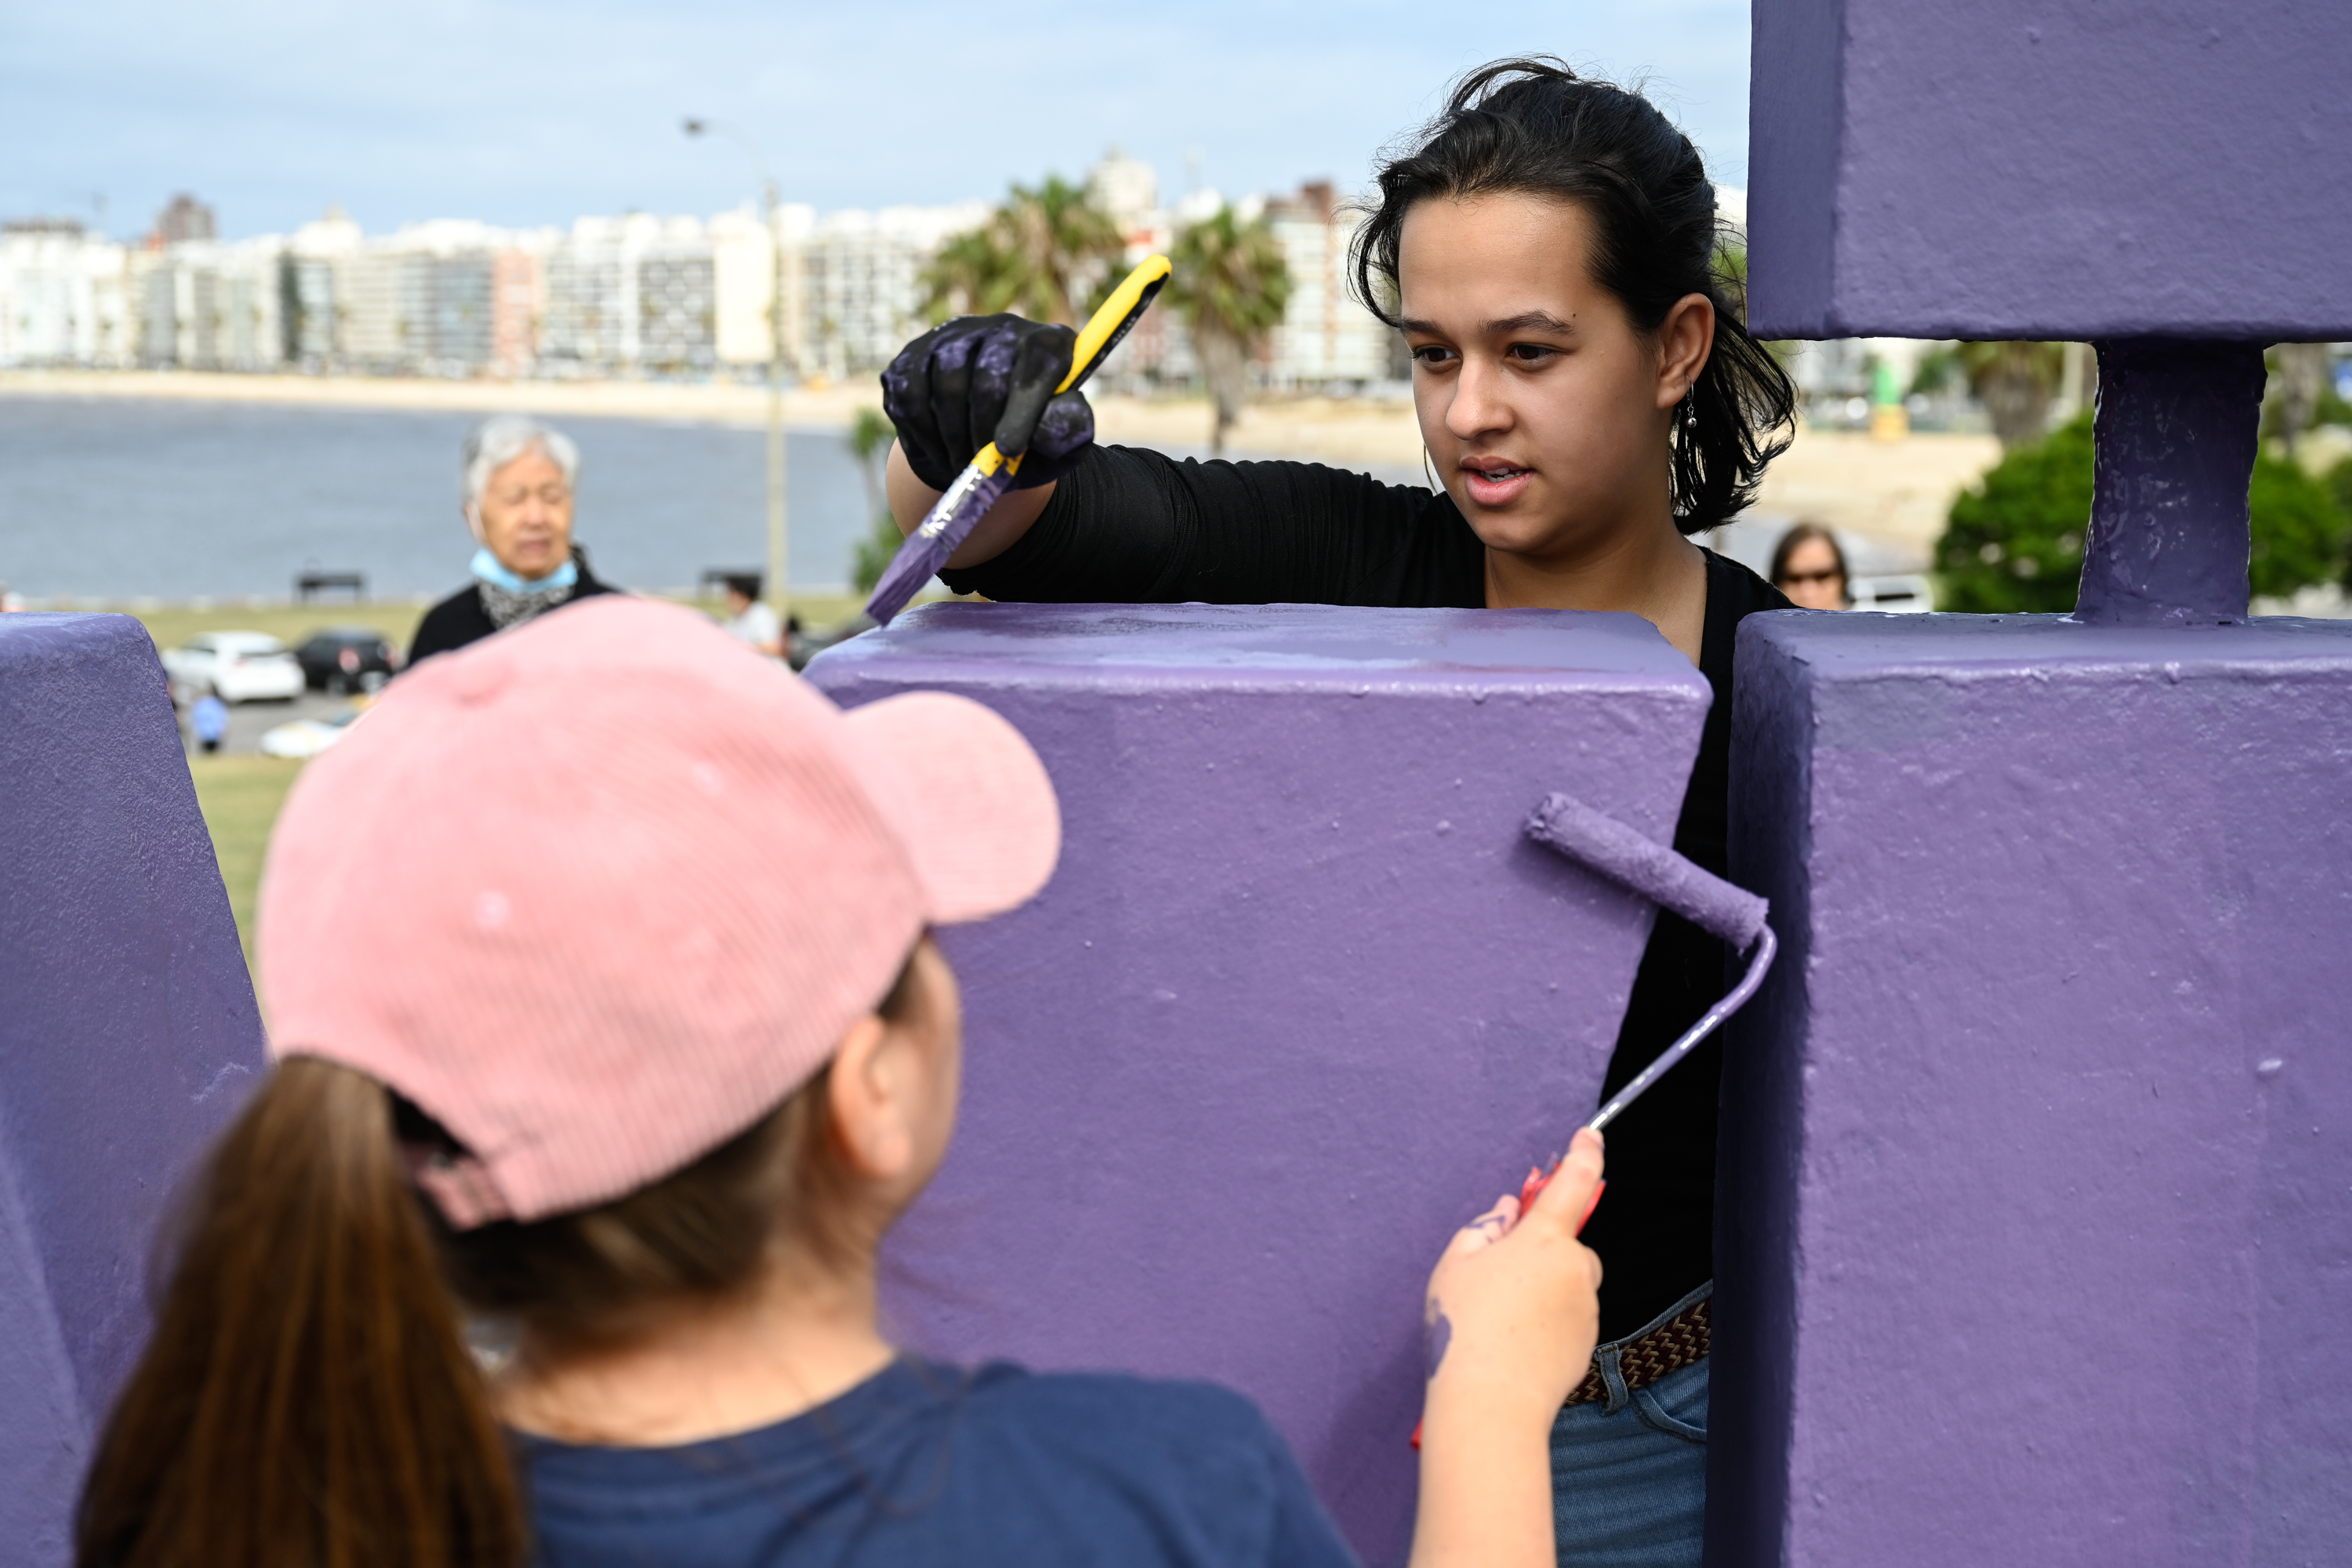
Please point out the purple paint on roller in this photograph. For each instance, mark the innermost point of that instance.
(1649, 868)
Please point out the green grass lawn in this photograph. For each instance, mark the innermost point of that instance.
(288, 623)
(175, 624)
(240, 797)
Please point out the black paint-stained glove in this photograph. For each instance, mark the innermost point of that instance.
(979, 379)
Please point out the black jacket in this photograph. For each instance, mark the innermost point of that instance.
(460, 619)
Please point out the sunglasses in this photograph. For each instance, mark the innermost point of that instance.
(1831, 575)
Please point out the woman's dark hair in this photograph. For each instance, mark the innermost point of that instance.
(1803, 534)
(308, 1399)
(1535, 127)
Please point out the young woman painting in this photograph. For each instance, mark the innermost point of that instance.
(1588, 402)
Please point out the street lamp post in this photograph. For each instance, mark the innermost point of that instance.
(780, 554)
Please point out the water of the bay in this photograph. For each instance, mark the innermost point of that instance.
(120, 498)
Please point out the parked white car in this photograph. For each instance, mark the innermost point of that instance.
(305, 737)
(236, 666)
(1904, 593)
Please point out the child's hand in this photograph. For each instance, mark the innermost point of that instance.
(1514, 1309)
(1513, 1305)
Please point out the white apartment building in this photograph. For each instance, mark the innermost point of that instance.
(861, 284)
(63, 300)
(638, 293)
(1326, 338)
(202, 304)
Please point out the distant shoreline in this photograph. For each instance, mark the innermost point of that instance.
(1898, 491)
(715, 403)
(1343, 430)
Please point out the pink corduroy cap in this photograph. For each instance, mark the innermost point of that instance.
(598, 892)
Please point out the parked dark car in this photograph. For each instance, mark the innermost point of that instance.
(344, 660)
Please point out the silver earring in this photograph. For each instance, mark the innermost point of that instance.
(1690, 406)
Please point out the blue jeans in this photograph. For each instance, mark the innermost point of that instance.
(1629, 1472)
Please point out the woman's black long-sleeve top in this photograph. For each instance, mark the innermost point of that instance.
(1128, 526)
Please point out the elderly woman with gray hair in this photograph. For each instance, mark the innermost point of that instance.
(517, 477)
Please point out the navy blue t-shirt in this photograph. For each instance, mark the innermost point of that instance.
(928, 1464)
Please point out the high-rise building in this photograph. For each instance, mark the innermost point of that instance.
(1327, 339)
(203, 305)
(862, 278)
(678, 305)
(62, 297)
(185, 218)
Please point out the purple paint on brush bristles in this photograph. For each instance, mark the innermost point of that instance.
(1649, 868)
(927, 549)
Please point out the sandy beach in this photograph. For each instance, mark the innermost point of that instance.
(1894, 493)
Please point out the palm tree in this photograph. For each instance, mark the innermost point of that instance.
(1231, 284)
(1044, 254)
(868, 441)
(2015, 381)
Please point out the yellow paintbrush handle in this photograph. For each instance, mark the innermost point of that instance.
(1107, 325)
(1097, 338)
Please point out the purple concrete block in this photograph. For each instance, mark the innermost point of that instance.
(128, 1032)
(2036, 1231)
(2021, 169)
(1301, 998)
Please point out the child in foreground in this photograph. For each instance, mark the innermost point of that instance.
(606, 1024)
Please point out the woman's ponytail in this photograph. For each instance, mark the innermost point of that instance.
(307, 1398)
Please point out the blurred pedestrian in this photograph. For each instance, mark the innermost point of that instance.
(1808, 566)
(749, 621)
(518, 477)
(209, 719)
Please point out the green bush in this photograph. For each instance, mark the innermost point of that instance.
(2014, 539)
(2298, 531)
(2339, 487)
(876, 550)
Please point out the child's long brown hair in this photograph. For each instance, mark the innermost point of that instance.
(308, 1399)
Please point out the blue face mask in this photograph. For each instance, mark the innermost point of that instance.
(489, 568)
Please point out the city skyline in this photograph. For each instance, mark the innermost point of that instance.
(521, 114)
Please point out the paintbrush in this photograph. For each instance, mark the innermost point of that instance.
(990, 473)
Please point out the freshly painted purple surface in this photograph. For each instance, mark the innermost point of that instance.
(2021, 169)
(127, 1035)
(2037, 1178)
(2170, 532)
(1301, 998)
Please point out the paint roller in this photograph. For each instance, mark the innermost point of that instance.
(1642, 866)
(990, 473)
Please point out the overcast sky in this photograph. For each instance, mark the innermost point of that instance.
(534, 112)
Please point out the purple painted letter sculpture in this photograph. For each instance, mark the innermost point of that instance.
(1301, 998)
(2037, 1178)
(127, 1035)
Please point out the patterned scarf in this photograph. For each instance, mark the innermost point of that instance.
(506, 609)
(509, 600)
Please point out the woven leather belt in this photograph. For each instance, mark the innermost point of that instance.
(1680, 1341)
